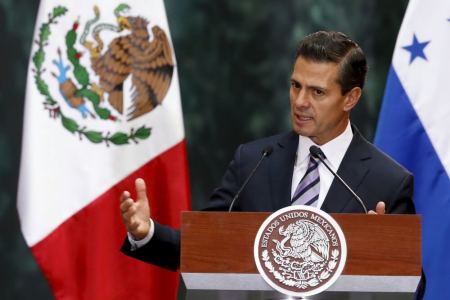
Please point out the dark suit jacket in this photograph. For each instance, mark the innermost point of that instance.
(369, 172)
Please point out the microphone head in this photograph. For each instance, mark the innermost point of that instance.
(316, 152)
(267, 151)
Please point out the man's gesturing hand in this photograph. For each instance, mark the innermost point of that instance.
(136, 214)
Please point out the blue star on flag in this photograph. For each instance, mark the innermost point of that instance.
(416, 49)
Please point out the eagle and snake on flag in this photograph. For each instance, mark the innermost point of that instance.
(149, 63)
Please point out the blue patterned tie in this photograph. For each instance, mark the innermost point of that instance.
(307, 191)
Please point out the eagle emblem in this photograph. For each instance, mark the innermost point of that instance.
(306, 241)
(104, 72)
(300, 250)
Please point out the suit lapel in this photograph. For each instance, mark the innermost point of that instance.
(281, 170)
(352, 170)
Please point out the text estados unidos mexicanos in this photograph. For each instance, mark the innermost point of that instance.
(299, 215)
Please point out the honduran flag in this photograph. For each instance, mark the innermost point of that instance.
(414, 128)
(102, 108)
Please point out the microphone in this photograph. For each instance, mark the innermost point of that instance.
(264, 153)
(316, 152)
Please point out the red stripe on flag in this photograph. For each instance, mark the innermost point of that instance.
(81, 258)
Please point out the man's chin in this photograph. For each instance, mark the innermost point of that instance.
(303, 128)
(302, 131)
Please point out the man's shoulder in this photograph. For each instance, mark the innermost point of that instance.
(277, 140)
(383, 160)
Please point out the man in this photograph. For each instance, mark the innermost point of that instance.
(326, 84)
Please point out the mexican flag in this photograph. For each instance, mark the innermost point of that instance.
(102, 108)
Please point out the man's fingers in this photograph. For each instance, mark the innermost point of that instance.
(125, 195)
(141, 190)
(125, 205)
(130, 219)
(130, 212)
(381, 208)
(127, 217)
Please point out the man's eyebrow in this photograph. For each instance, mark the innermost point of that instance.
(316, 87)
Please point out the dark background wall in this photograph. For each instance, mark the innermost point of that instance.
(234, 61)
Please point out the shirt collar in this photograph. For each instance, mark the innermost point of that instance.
(334, 150)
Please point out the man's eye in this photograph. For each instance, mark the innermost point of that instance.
(295, 85)
(319, 92)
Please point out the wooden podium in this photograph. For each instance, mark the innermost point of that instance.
(384, 255)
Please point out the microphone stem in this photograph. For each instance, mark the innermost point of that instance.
(343, 182)
(247, 180)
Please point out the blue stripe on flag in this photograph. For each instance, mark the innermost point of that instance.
(401, 134)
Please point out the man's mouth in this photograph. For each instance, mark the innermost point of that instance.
(303, 118)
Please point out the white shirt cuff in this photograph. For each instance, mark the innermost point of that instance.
(138, 244)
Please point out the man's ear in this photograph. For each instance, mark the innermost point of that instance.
(352, 98)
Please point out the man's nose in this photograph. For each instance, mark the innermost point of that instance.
(302, 99)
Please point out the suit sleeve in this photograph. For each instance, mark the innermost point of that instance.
(162, 250)
(403, 200)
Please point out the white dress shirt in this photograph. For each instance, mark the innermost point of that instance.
(334, 152)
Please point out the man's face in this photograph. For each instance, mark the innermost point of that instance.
(318, 109)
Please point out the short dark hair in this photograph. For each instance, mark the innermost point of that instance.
(331, 46)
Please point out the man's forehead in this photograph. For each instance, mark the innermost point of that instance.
(309, 70)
